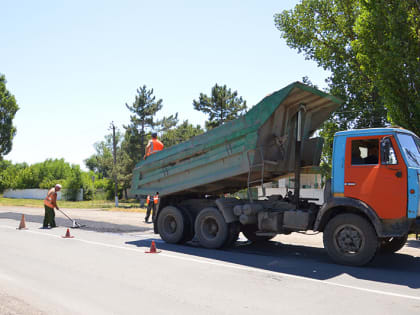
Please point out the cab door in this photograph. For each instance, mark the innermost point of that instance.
(380, 182)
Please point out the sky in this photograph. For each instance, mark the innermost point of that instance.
(73, 65)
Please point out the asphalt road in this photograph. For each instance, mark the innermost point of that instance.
(110, 273)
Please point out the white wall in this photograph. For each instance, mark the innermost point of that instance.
(35, 194)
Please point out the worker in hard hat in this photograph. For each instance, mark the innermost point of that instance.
(50, 202)
(154, 145)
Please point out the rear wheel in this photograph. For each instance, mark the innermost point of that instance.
(249, 232)
(350, 240)
(211, 228)
(171, 225)
(393, 244)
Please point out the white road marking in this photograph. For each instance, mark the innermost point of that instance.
(232, 266)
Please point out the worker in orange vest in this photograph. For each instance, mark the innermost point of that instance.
(149, 205)
(153, 146)
(50, 202)
(155, 204)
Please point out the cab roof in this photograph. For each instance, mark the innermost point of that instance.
(373, 132)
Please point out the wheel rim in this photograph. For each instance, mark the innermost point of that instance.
(170, 224)
(349, 239)
(210, 228)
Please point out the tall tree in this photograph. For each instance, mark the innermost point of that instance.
(144, 108)
(323, 30)
(142, 121)
(223, 105)
(8, 109)
(388, 50)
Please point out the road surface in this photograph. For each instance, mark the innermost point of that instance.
(110, 273)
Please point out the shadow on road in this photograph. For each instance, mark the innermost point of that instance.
(310, 262)
(97, 226)
(413, 243)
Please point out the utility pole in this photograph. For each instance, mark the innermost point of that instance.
(114, 152)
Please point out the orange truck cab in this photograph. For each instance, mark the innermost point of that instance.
(375, 183)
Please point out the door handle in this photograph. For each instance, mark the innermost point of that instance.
(350, 184)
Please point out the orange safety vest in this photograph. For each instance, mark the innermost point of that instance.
(147, 200)
(48, 201)
(156, 199)
(155, 146)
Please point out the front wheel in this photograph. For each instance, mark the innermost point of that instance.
(393, 244)
(350, 240)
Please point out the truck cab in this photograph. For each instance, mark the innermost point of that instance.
(375, 176)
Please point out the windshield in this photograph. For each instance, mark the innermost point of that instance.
(411, 148)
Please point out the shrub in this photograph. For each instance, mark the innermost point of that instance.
(73, 183)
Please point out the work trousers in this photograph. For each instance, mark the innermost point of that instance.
(49, 217)
(150, 206)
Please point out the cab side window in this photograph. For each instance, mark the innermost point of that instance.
(365, 152)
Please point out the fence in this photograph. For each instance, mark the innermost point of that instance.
(37, 194)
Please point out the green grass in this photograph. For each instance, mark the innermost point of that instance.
(130, 205)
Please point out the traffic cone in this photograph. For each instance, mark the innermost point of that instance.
(22, 225)
(67, 234)
(152, 249)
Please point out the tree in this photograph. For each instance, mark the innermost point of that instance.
(102, 161)
(329, 128)
(144, 108)
(167, 123)
(324, 31)
(8, 109)
(181, 133)
(388, 51)
(73, 183)
(221, 106)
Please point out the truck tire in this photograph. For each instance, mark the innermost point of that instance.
(392, 244)
(171, 225)
(350, 240)
(249, 232)
(233, 234)
(211, 228)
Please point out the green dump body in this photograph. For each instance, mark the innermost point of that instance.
(259, 146)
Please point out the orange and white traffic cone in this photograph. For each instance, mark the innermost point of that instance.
(22, 225)
(67, 234)
(152, 249)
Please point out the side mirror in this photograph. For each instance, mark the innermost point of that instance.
(386, 144)
(388, 156)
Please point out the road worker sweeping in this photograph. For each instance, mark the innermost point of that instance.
(153, 146)
(50, 202)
